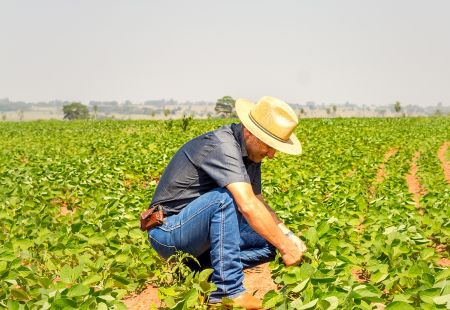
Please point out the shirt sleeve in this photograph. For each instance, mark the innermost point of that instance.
(224, 165)
(255, 178)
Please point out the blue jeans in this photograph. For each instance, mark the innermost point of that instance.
(212, 224)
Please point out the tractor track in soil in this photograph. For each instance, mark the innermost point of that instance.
(414, 187)
(381, 172)
(444, 163)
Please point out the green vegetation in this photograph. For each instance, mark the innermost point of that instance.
(71, 194)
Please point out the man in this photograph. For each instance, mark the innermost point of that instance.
(211, 196)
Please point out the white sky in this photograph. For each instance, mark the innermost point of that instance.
(364, 52)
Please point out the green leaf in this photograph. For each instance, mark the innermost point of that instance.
(68, 274)
(399, 305)
(19, 294)
(442, 300)
(311, 236)
(13, 305)
(333, 301)
(204, 274)
(300, 287)
(106, 297)
(191, 298)
(102, 306)
(309, 305)
(316, 280)
(3, 266)
(78, 290)
(122, 258)
(427, 295)
(271, 299)
(322, 229)
(289, 278)
(121, 280)
(306, 271)
(93, 278)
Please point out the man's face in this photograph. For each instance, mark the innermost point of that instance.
(258, 150)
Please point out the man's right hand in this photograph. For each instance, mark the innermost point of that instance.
(291, 255)
(297, 241)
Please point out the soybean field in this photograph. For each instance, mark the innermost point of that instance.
(370, 198)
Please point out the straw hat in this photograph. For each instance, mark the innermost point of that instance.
(272, 121)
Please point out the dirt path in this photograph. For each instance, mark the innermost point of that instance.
(143, 300)
(413, 182)
(257, 281)
(444, 163)
(381, 173)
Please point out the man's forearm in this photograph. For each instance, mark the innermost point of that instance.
(265, 222)
(275, 217)
(272, 213)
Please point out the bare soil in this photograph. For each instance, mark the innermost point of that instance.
(413, 182)
(144, 300)
(444, 262)
(63, 207)
(257, 281)
(381, 174)
(361, 275)
(444, 163)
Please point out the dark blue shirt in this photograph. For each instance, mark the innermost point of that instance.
(212, 160)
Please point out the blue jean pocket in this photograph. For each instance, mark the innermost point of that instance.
(160, 245)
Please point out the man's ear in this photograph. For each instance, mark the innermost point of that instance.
(247, 133)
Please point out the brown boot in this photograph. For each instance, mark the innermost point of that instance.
(248, 301)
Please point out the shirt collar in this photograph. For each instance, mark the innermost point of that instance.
(238, 133)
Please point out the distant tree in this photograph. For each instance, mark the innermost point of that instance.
(302, 111)
(3, 117)
(20, 114)
(328, 111)
(75, 110)
(225, 106)
(95, 111)
(166, 112)
(397, 106)
(334, 109)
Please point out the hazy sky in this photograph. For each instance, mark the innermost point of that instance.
(364, 52)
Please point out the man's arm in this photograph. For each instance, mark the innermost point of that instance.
(263, 221)
(280, 224)
(297, 241)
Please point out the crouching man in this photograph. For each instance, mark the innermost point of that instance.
(211, 197)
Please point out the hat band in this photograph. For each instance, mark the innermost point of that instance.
(265, 130)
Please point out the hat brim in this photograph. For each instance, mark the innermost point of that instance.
(291, 146)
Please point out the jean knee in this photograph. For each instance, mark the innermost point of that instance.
(272, 251)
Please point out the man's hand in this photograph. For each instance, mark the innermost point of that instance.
(297, 241)
(291, 255)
